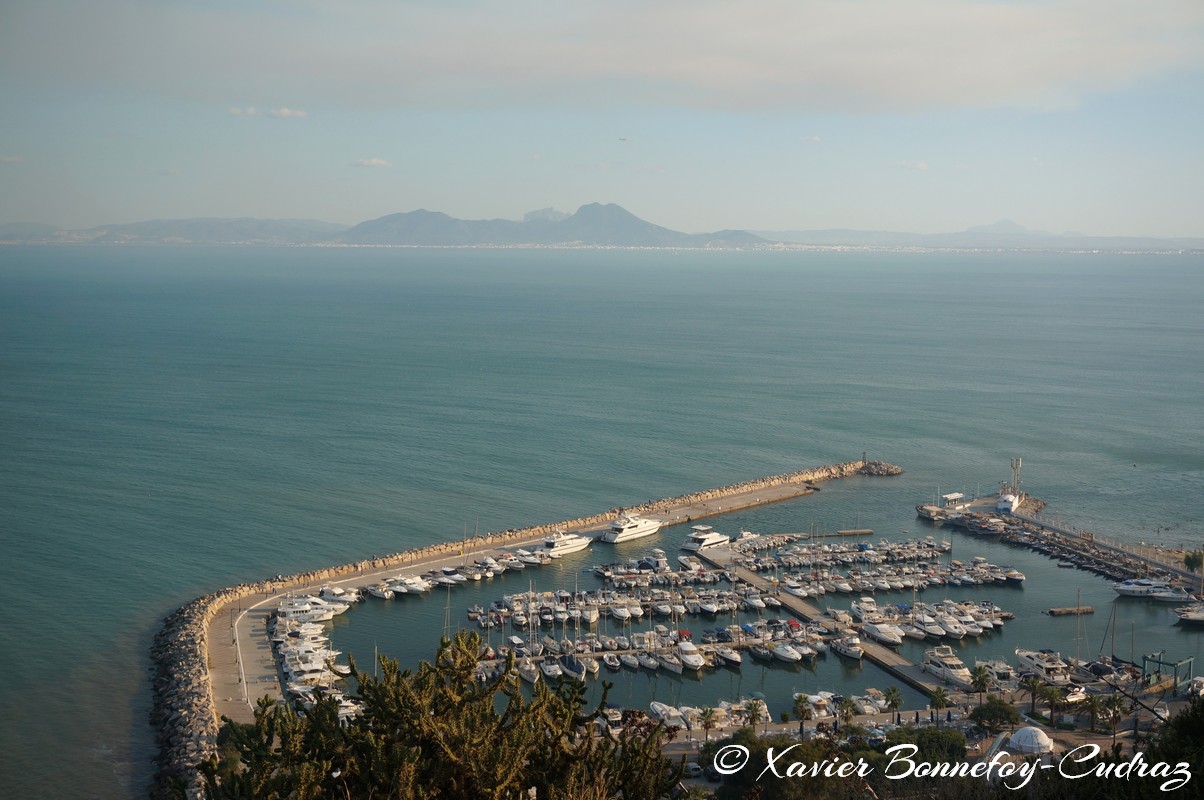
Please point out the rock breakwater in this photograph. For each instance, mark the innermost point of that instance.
(183, 710)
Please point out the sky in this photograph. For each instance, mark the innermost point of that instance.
(906, 115)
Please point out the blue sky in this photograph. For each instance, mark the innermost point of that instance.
(924, 115)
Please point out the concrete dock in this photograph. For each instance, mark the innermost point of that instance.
(877, 654)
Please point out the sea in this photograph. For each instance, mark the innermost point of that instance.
(177, 419)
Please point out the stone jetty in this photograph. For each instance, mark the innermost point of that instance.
(183, 712)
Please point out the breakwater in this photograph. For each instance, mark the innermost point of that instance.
(184, 713)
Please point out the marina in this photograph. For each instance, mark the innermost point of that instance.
(738, 565)
(789, 607)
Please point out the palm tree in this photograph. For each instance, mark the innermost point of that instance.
(1032, 685)
(1114, 710)
(756, 712)
(1193, 561)
(707, 717)
(802, 711)
(980, 680)
(1093, 705)
(939, 702)
(1053, 697)
(893, 697)
(847, 710)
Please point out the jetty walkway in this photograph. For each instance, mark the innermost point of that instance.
(880, 655)
(212, 658)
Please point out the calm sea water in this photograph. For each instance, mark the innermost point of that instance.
(173, 420)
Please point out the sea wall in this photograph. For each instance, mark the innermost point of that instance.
(183, 711)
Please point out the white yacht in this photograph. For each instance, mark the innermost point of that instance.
(629, 527)
(883, 632)
(528, 671)
(702, 537)
(561, 542)
(1045, 664)
(848, 646)
(670, 662)
(690, 657)
(1142, 587)
(943, 662)
(1175, 594)
(787, 653)
(551, 670)
(1191, 615)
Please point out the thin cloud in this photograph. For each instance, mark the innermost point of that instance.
(288, 113)
(809, 139)
(920, 165)
(243, 111)
(11, 160)
(371, 162)
(825, 55)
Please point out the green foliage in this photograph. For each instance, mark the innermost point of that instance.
(994, 715)
(1193, 560)
(936, 744)
(437, 732)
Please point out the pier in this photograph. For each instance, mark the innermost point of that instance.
(879, 655)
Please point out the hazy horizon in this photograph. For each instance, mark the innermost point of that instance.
(927, 117)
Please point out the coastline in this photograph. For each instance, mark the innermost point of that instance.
(191, 664)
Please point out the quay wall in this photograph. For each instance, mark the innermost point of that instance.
(183, 711)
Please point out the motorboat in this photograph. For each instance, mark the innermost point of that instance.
(562, 543)
(999, 668)
(669, 661)
(942, 661)
(1045, 664)
(882, 632)
(630, 526)
(628, 660)
(848, 646)
(729, 656)
(572, 667)
(787, 653)
(647, 660)
(1175, 594)
(702, 537)
(1191, 615)
(528, 671)
(690, 656)
(1140, 587)
(551, 669)
(612, 662)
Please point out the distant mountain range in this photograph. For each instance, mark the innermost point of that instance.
(595, 225)
(592, 225)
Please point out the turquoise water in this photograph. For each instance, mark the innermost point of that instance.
(173, 420)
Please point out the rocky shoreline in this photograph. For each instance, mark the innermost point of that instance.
(183, 711)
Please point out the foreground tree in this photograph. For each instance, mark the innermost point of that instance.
(995, 715)
(438, 732)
